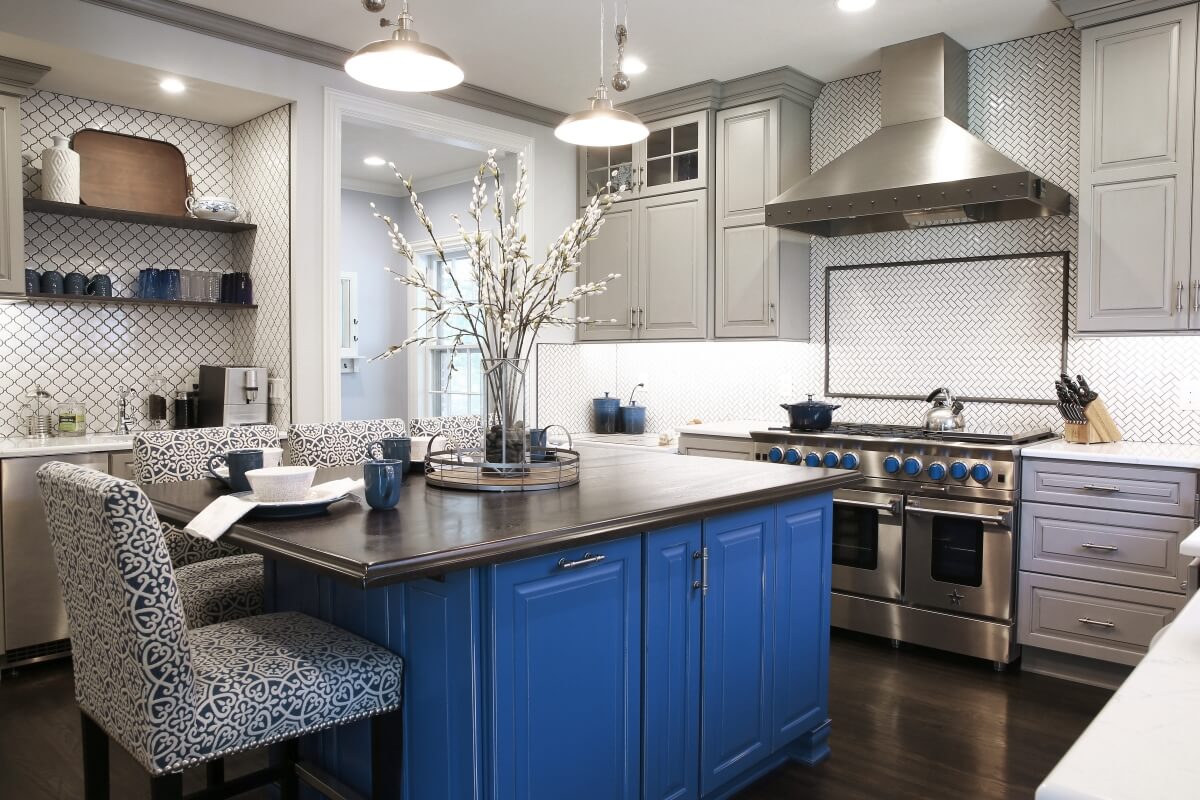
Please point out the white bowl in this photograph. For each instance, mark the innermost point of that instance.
(281, 484)
(272, 456)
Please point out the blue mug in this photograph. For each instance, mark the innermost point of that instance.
(243, 288)
(383, 479)
(33, 281)
(170, 285)
(100, 286)
(239, 462)
(148, 280)
(52, 282)
(75, 283)
(537, 445)
(392, 448)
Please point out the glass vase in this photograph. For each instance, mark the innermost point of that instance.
(505, 437)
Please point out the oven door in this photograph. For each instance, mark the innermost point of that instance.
(960, 556)
(868, 543)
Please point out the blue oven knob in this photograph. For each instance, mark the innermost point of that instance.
(775, 455)
(792, 456)
(813, 459)
(891, 465)
(982, 473)
(831, 459)
(912, 466)
(959, 471)
(937, 471)
(850, 461)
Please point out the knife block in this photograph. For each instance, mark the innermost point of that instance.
(1099, 427)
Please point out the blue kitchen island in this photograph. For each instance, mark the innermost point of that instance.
(660, 630)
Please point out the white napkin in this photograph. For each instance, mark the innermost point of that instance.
(223, 513)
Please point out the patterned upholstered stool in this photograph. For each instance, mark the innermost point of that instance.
(338, 444)
(175, 697)
(217, 581)
(459, 432)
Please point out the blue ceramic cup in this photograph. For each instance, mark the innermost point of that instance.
(74, 283)
(537, 444)
(392, 448)
(170, 285)
(239, 462)
(52, 282)
(33, 281)
(100, 286)
(148, 281)
(383, 478)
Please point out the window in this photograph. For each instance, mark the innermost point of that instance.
(439, 392)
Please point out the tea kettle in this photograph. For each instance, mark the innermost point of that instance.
(946, 414)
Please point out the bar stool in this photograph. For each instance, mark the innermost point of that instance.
(459, 432)
(176, 697)
(338, 444)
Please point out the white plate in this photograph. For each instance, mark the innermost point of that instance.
(314, 496)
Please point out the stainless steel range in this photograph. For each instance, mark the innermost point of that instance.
(925, 550)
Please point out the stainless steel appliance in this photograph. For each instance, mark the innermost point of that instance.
(232, 396)
(925, 549)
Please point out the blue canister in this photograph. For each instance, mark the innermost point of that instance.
(148, 280)
(75, 283)
(33, 281)
(100, 286)
(52, 282)
(170, 285)
(633, 418)
(604, 414)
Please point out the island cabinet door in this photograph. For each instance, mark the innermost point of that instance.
(735, 699)
(671, 665)
(800, 637)
(566, 674)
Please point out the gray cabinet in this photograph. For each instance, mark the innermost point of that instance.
(1137, 175)
(659, 246)
(716, 446)
(761, 272)
(673, 158)
(12, 230)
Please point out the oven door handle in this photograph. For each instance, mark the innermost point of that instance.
(892, 505)
(1004, 519)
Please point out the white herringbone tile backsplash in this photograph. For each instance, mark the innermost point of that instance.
(1024, 100)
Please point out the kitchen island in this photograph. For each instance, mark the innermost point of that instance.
(659, 630)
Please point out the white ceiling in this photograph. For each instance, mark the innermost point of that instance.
(97, 78)
(420, 157)
(547, 51)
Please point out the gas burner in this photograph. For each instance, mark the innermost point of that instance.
(967, 436)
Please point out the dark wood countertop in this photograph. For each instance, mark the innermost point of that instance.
(433, 530)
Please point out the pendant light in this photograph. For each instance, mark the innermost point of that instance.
(402, 63)
(601, 125)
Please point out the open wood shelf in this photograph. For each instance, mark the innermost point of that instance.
(128, 301)
(138, 217)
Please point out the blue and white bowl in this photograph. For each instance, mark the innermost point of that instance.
(209, 207)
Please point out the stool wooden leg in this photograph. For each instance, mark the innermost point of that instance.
(289, 783)
(167, 787)
(387, 754)
(214, 773)
(95, 759)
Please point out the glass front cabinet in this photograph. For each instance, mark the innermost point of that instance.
(673, 158)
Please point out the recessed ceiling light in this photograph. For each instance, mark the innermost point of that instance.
(853, 6)
(374, 161)
(633, 65)
(172, 85)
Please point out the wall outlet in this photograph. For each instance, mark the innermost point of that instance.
(1189, 395)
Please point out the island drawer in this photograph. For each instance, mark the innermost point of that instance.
(1096, 620)
(1110, 486)
(1138, 550)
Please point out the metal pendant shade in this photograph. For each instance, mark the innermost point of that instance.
(403, 63)
(601, 125)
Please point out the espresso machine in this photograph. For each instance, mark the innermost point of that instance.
(232, 396)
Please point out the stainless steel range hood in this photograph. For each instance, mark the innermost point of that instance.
(922, 168)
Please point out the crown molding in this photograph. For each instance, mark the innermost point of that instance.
(1087, 13)
(273, 40)
(382, 188)
(18, 77)
(714, 95)
(395, 188)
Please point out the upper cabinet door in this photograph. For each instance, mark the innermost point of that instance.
(599, 165)
(673, 266)
(1136, 181)
(615, 250)
(12, 225)
(675, 156)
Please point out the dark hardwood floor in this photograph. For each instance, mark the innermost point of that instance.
(906, 724)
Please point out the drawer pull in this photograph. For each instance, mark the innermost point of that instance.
(587, 560)
(1106, 548)
(1093, 487)
(1097, 622)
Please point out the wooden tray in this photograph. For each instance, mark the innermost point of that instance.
(130, 173)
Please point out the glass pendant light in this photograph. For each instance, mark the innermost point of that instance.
(601, 125)
(403, 63)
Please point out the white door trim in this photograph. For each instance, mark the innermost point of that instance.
(340, 106)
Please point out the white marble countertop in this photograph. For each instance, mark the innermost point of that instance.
(21, 447)
(1142, 745)
(736, 428)
(1155, 454)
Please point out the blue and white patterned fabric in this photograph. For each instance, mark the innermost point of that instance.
(221, 589)
(462, 432)
(338, 444)
(175, 697)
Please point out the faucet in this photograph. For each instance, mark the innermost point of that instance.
(125, 418)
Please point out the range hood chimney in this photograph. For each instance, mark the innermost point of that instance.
(922, 168)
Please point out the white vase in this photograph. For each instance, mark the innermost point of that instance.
(60, 172)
